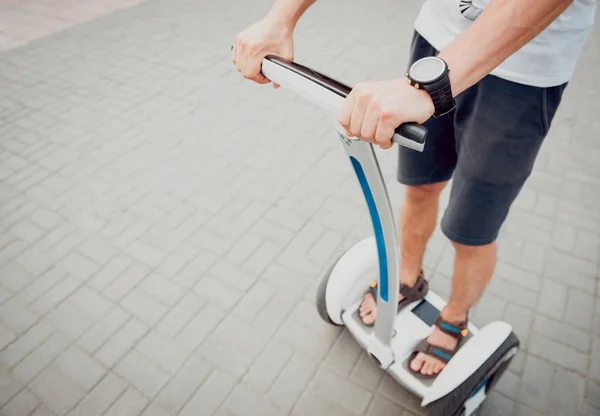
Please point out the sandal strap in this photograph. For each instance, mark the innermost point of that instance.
(418, 291)
(456, 331)
(442, 354)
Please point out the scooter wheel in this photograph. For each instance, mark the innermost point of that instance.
(321, 300)
(482, 381)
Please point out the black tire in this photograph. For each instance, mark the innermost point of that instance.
(321, 300)
(453, 403)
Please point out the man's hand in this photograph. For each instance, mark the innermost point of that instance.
(373, 110)
(270, 35)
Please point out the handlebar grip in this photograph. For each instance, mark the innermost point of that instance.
(411, 135)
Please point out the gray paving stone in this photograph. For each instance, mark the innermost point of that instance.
(592, 394)
(121, 342)
(14, 276)
(562, 355)
(26, 343)
(553, 299)
(497, 405)
(56, 391)
(55, 295)
(220, 293)
(595, 359)
(563, 333)
(162, 289)
(523, 410)
(103, 395)
(18, 315)
(126, 282)
(239, 278)
(393, 391)
(254, 301)
(163, 351)
(43, 355)
(154, 410)
(570, 278)
(567, 393)
(344, 355)
(313, 403)
(183, 385)
(180, 315)
(380, 406)
(23, 404)
(199, 328)
(144, 306)
(98, 334)
(366, 373)
(580, 309)
(69, 319)
(111, 271)
(80, 368)
(203, 262)
(142, 373)
(268, 366)
(243, 400)
(232, 346)
(9, 386)
(131, 403)
(292, 381)
(210, 396)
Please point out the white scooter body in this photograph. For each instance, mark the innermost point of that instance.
(392, 339)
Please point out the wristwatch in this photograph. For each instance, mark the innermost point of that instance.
(431, 74)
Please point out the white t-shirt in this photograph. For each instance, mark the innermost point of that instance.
(546, 61)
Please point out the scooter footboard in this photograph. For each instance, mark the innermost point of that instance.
(468, 359)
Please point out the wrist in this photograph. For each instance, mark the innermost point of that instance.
(283, 16)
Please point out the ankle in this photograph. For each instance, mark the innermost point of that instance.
(454, 314)
(408, 277)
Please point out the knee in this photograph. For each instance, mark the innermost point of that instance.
(474, 250)
(424, 194)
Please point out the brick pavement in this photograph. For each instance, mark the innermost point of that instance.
(164, 225)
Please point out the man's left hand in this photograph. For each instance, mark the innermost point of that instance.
(373, 110)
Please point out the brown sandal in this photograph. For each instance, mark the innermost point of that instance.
(411, 294)
(458, 332)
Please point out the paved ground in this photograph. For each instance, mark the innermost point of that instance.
(24, 21)
(164, 225)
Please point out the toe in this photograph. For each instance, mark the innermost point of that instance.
(417, 363)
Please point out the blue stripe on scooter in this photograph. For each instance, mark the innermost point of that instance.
(378, 229)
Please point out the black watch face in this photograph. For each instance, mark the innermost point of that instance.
(427, 70)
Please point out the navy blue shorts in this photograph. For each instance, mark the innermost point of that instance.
(487, 145)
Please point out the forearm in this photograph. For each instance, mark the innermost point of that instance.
(290, 11)
(501, 29)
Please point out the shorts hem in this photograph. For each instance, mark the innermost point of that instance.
(421, 181)
(466, 241)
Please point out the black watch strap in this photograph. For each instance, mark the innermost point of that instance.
(439, 89)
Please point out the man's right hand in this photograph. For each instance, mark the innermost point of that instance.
(269, 36)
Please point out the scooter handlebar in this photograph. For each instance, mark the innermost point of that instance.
(330, 93)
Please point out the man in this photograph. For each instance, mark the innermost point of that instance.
(488, 104)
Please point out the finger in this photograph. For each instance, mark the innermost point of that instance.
(275, 85)
(238, 55)
(384, 134)
(369, 124)
(346, 112)
(253, 70)
(358, 115)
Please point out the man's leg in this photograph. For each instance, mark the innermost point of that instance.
(473, 269)
(499, 127)
(418, 219)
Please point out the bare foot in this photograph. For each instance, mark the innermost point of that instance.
(427, 364)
